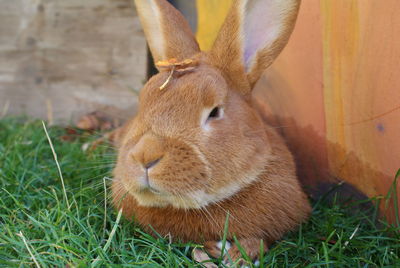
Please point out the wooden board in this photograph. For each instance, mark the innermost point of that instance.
(62, 59)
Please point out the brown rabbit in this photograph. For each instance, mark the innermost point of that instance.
(197, 148)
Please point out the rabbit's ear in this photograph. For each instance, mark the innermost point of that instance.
(167, 32)
(252, 36)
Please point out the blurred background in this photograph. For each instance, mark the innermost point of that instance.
(62, 59)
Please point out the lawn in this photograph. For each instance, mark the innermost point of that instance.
(38, 228)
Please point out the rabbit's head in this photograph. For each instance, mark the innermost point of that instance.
(197, 139)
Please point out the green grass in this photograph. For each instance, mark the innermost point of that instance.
(36, 221)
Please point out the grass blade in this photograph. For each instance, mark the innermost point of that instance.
(107, 245)
(58, 165)
(20, 234)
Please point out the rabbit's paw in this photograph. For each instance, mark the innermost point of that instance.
(201, 256)
(251, 246)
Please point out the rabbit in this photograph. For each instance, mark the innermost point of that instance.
(198, 152)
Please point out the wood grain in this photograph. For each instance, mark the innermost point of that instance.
(61, 59)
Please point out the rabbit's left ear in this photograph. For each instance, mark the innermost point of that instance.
(252, 36)
(167, 32)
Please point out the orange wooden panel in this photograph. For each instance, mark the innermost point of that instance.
(362, 96)
(339, 80)
(210, 15)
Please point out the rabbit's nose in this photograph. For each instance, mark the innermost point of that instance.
(148, 151)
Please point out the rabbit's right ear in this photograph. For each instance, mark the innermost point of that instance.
(252, 36)
(167, 32)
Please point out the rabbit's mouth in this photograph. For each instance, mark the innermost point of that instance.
(148, 193)
(145, 184)
(151, 198)
(151, 190)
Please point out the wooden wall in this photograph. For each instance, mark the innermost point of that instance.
(60, 59)
(335, 93)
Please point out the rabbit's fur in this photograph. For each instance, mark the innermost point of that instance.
(181, 170)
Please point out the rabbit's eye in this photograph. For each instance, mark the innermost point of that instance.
(215, 113)
(209, 115)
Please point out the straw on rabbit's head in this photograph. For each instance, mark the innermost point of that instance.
(198, 140)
